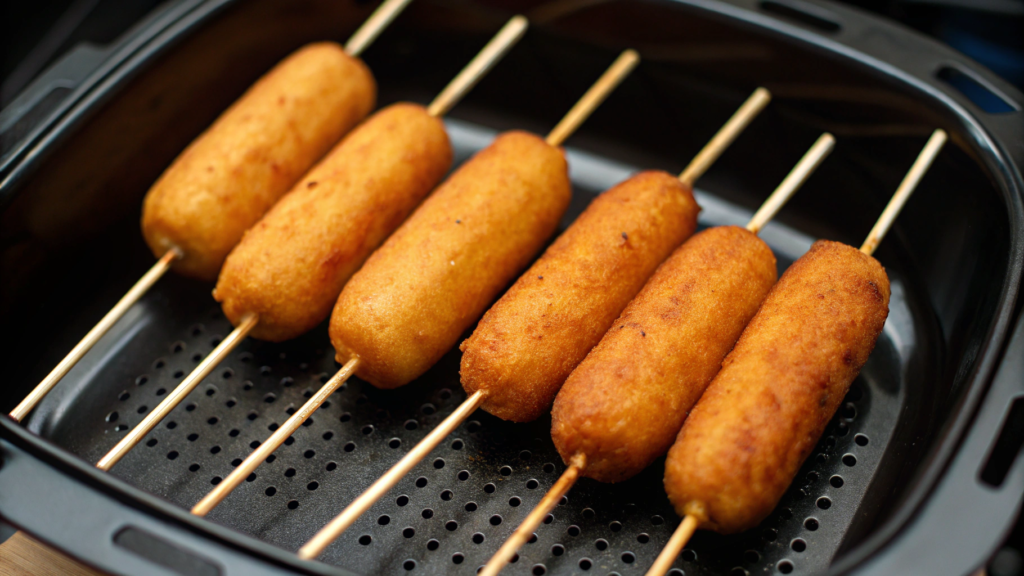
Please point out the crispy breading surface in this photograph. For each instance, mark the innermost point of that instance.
(292, 265)
(433, 278)
(254, 153)
(767, 408)
(624, 404)
(531, 339)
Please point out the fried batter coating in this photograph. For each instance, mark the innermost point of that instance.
(253, 153)
(433, 278)
(292, 265)
(624, 404)
(531, 339)
(765, 411)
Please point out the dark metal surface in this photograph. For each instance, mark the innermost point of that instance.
(953, 259)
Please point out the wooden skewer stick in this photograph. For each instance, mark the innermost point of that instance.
(725, 136)
(179, 393)
(374, 25)
(586, 105)
(508, 550)
(796, 177)
(675, 545)
(127, 301)
(691, 521)
(906, 188)
(480, 65)
(491, 54)
(353, 511)
(597, 93)
(211, 500)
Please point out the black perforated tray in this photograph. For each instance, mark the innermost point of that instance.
(952, 260)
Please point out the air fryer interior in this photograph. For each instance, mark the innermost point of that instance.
(71, 247)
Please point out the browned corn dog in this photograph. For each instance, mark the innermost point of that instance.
(534, 336)
(623, 405)
(445, 264)
(254, 152)
(762, 415)
(292, 265)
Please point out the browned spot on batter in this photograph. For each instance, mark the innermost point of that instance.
(848, 357)
(311, 185)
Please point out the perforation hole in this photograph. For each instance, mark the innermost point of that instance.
(433, 544)
(798, 545)
(738, 571)
(193, 468)
(573, 530)
(408, 532)
(234, 432)
(216, 480)
(411, 424)
(236, 462)
(770, 534)
(447, 495)
(428, 409)
(409, 565)
(421, 482)
(141, 380)
(689, 555)
(824, 503)
(214, 449)
(365, 539)
(463, 475)
(289, 473)
(349, 446)
(312, 485)
(628, 557)
(287, 382)
(643, 538)
(327, 435)
(532, 484)
(860, 440)
(162, 391)
(549, 467)
(331, 466)
(394, 443)
(539, 570)
(439, 463)
(457, 444)
(836, 481)
(190, 406)
(124, 396)
(451, 525)
(309, 453)
(811, 524)
(252, 415)
(785, 566)
(120, 428)
(151, 442)
(490, 488)
(142, 409)
(506, 470)
(293, 504)
(601, 544)
(471, 507)
(384, 520)
(615, 526)
(457, 558)
(533, 538)
(495, 520)
(751, 557)
(427, 513)
(586, 563)
(478, 538)
(473, 426)
(850, 460)
(367, 430)
(345, 417)
(270, 491)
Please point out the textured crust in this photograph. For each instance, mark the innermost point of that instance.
(254, 153)
(531, 339)
(292, 265)
(767, 408)
(433, 278)
(624, 404)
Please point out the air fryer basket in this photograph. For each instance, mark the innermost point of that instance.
(907, 461)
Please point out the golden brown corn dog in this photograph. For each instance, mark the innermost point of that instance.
(253, 153)
(762, 415)
(292, 265)
(531, 339)
(623, 405)
(433, 278)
